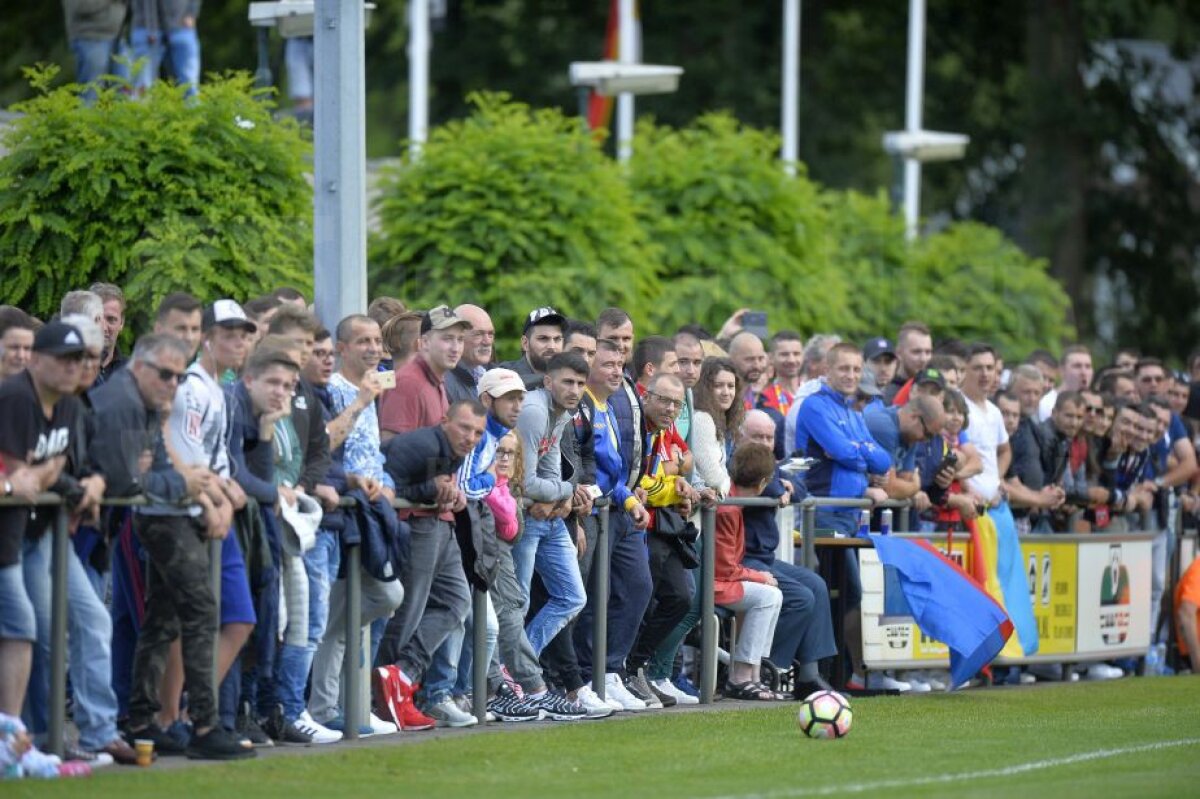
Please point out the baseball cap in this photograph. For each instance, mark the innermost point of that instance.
(499, 382)
(441, 318)
(226, 313)
(928, 375)
(58, 338)
(867, 384)
(544, 316)
(876, 347)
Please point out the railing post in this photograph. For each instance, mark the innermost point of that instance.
(479, 661)
(903, 521)
(351, 666)
(708, 625)
(58, 631)
(214, 584)
(809, 533)
(600, 566)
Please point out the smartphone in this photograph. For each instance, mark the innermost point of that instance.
(951, 460)
(755, 322)
(594, 492)
(387, 379)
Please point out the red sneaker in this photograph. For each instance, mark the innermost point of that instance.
(385, 696)
(411, 719)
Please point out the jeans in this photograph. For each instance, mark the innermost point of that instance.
(258, 684)
(128, 608)
(548, 547)
(437, 598)
(760, 604)
(296, 658)
(298, 57)
(95, 58)
(35, 562)
(184, 47)
(629, 595)
(672, 599)
(89, 631)
(804, 633)
(510, 599)
(450, 672)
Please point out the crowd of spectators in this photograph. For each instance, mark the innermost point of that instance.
(242, 428)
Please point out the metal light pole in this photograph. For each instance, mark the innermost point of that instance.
(790, 124)
(627, 54)
(913, 101)
(340, 154)
(419, 42)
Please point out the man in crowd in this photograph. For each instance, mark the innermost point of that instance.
(787, 361)
(129, 411)
(541, 339)
(914, 348)
(815, 368)
(689, 354)
(985, 428)
(16, 340)
(1076, 372)
(114, 322)
(477, 353)
(419, 398)
(880, 357)
(750, 359)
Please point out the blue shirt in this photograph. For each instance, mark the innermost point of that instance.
(834, 434)
(884, 424)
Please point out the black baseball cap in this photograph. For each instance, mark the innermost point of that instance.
(876, 347)
(58, 338)
(226, 313)
(929, 375)
(544, 316)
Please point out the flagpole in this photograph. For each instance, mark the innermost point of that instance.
(914, 99)
(627, 54)
(790, 124)
(418, 75)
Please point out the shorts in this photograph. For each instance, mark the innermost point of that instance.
(17, 619)
(237, 606)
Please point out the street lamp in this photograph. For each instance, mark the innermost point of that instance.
(612, 78)
(925, 146)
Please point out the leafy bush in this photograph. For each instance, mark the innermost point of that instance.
(156, 195)
(512, 209)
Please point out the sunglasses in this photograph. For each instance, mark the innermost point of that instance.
(164, 374)
(1096, 410)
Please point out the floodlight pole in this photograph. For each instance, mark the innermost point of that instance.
(913, 101)
(627, 54)
(790, 124)
(340, 154)
(419, 41)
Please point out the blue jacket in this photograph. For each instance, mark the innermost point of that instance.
(762, 529)
(611, 469)
(830, 431)
(252, 458)
(473, 476)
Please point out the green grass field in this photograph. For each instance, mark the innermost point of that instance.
(1134, 737)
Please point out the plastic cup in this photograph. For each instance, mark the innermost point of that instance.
(145, 751)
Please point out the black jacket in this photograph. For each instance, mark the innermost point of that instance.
(415, 458)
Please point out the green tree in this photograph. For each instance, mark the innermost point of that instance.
(156, 195)
(511, 209)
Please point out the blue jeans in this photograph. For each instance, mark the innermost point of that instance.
(35, 560)
(547, 546)
(95, 58)
(89, 631)
(321, 565)
(443, 679)
(804, 632)
(184, 47)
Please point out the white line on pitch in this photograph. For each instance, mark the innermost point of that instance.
(937, 779)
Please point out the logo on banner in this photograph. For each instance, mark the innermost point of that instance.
(1114, 598)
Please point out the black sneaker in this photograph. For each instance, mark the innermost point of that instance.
(637, 685)
(249, 728)
(557, 707)
(507, 706)
(274, 725)
(666, 699)
(220, 744)
(803, 689)
(165, 744)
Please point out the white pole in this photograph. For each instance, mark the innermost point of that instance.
(627, 54)
(790, 124)
(340, 161)
(419, 43)
(914, 99)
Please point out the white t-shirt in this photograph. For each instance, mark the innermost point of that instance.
(985, 429)
(1046, 404)
(199, 423)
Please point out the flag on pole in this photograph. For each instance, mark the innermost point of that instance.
(600, 109)
(999, 556)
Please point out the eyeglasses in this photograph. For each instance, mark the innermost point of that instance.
(164, 374)
(1095, 410)
(505, 453)
(667, 402)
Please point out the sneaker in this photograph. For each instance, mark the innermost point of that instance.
(220, 744)
(448, 714)
(855, 682)
(385, 701)
(667, 699)
(507, 706)
(685, 684)
(249, 728)
(636, 684)
(378, 726)
(557, 707)
(666, 687)
(317, 733)
(94, 760)
(276, 726)
(881, 681)
(464, 703)
(181, 732)
(1103, 671)
(917, 685)
(338, 724)
(511, 683)
(120, 752)
(294, 733)
(615, 691)
(594, 706)
(164, 743)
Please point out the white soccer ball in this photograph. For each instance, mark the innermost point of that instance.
(825, 714)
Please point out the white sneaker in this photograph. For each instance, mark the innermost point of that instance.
(381, 727)
(615, 690)
(448, 714)
(1027, 679)
(881, 681)
(319, 733)
(667, 687)
(1103, 671)
(938, 680)
(919, 686)
(596, 707)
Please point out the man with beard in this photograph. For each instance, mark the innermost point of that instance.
(542, 338)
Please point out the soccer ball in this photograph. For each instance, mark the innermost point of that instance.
(825, 714)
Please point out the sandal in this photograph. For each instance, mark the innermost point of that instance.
(749, 691)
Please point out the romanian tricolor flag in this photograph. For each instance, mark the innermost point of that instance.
(600, 109)
(947, 604)
(997, 553)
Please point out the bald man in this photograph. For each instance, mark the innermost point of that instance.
(750, 359)
(462, 380)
